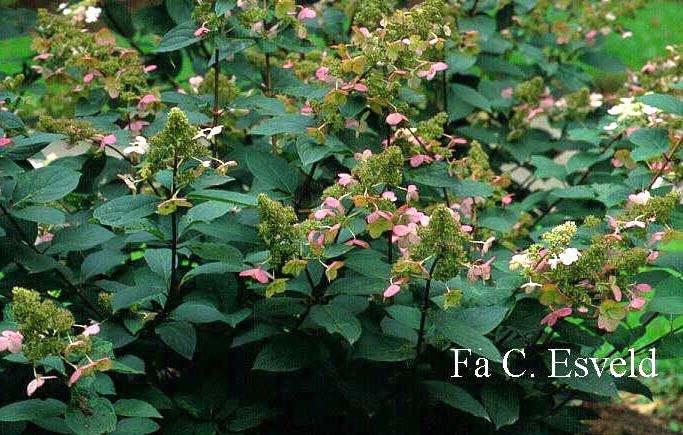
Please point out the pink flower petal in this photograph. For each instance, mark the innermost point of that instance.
(258, 274)
(395, 118)
(391, 290)
(34, 385)
(356, 242)
(306, 14)
(643, 287)
(93, 329)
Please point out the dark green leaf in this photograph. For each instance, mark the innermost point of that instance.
(285, 353)
(45, 184)
(135, 426)
(197, 312)
(32, 410)
(501, 403)
(337, 320)
(101, 262)
(9, 120)
(25, 147)
(135, 408)
(650, 143)
(179, 336)
(376, 347)
(98, 419)
(467, 337)
(291, 124)
(226, 196)
(40, 214)
(79, 238)
(454, 396)
(470, 96)
(273, 171)
(125, 210)
(667, 103)
(179, 37)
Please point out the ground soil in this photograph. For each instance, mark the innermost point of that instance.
(632, 417)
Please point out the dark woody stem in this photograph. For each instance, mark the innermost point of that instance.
(217, 71)
(173, 290)
(667, 159)
(425, 307)
(444, 88)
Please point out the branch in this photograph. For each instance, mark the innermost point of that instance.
(217, 71)
(425, 306)
(667, 159)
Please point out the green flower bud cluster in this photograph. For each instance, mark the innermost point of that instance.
(252, 14)
(43, 324)
(588, 266)
(278, 230)
(371, 12)
(382, 91)
(285, 11)
(172, 145)
(629, 261)
(442, 238)
(559, 237)
(419, 25)
(77, 130)
(227, 93)
(594, 278)
(578, 104)
(120, 70)
(584, 17)
(432, 128)
(304, 64)
(12, 83)
(658, 207)
(475, 165)
(384, 168)
(335, 191)
(591, 221)
(530, 91)
(422, 20)
(205, 13)
(478, 162)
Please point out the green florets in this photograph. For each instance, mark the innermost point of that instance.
(478, 161)
(559, 237)
(277, 229)
(591, 221)
(43, 324)
(442, 238)
(75, 129)
(173, 145)
(384, 168)
(659, 207)
(629, 261)
(371, 12)
(432, 128)
(588, 266)
(335, 191)
(530, 90)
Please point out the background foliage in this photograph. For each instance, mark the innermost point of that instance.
(291, 239)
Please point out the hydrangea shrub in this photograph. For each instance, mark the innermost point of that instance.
(296, 238)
